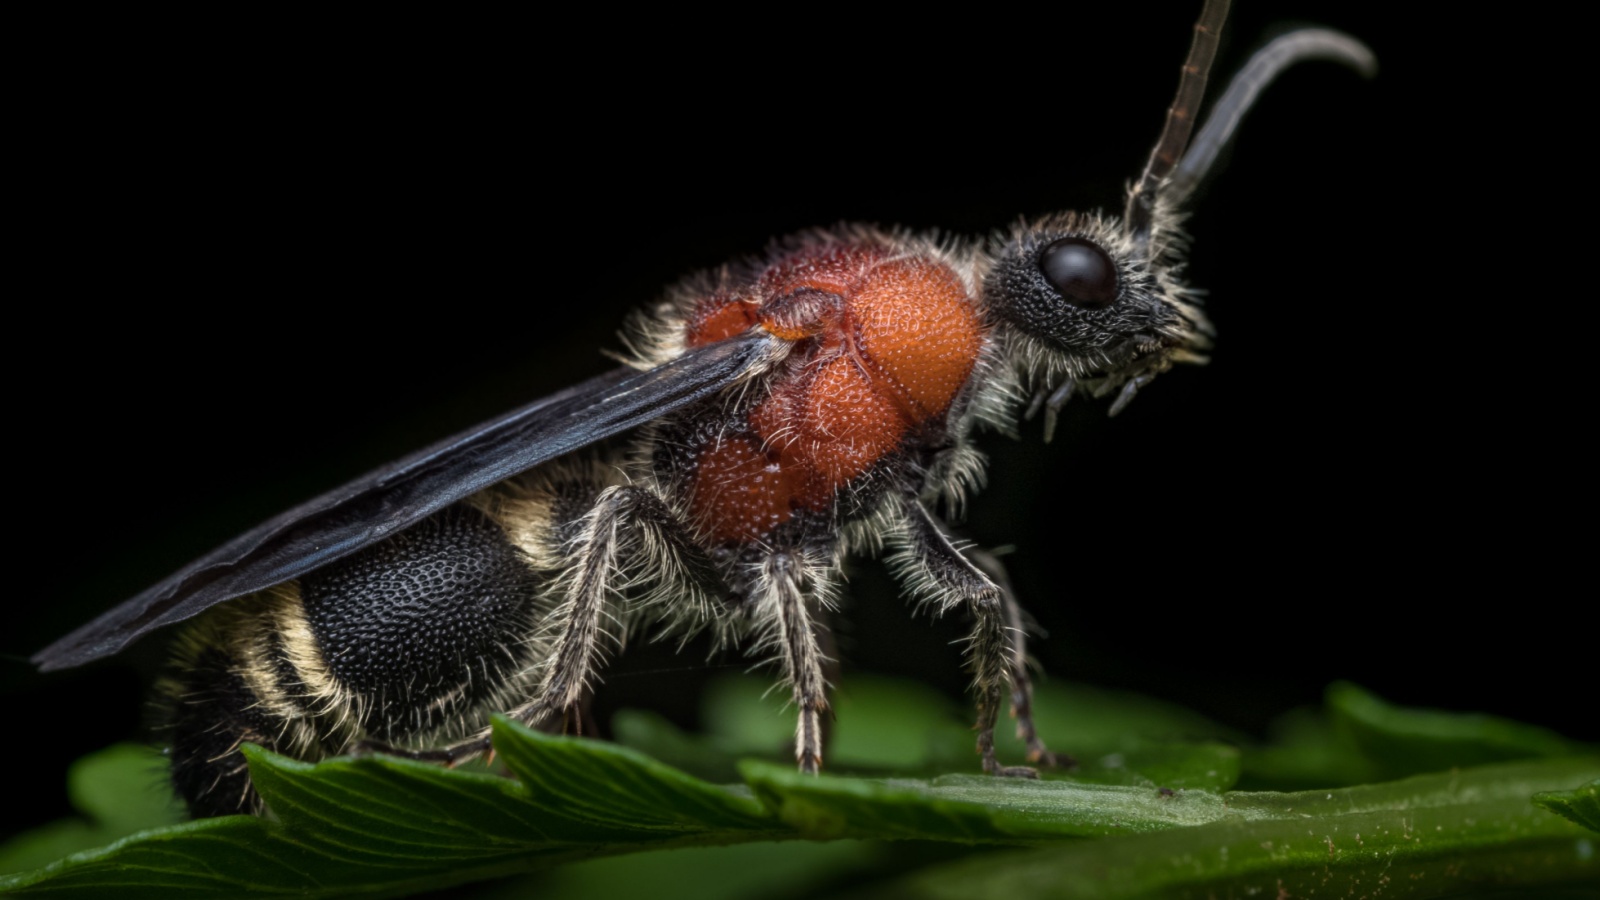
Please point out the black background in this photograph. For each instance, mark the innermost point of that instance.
(262, 267)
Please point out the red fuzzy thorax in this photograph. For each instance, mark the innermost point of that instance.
(885, 341)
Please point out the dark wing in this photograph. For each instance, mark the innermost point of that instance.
(403, 493)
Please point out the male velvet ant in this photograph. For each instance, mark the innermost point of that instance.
(774, 417)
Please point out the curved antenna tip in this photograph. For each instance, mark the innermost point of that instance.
(1327, 44)
(1302, 45)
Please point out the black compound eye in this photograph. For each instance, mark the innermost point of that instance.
(1081, 272)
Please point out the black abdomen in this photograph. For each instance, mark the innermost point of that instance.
(412, 639)
(424, 625)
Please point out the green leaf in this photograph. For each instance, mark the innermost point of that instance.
(972, 808)
(120, 790)
(1361, 738)
(758, 870)
(615, 793)
(1397, 741)
(383, 825)
(1581, 805)
(1145, 815)
(124, 788)
(1174, 765)
(1429, 836)
(1305, 749)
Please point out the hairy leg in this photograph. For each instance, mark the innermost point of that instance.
(943, 577)
(1021, 680)
(627, 530)
(788, 597)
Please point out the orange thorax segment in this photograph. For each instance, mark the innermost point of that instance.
(885, 340)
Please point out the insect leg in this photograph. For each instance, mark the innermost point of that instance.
(1021, 681)
(829, 648)
(939, 575)
(789, 612)
(626, 529)
(629, 529)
